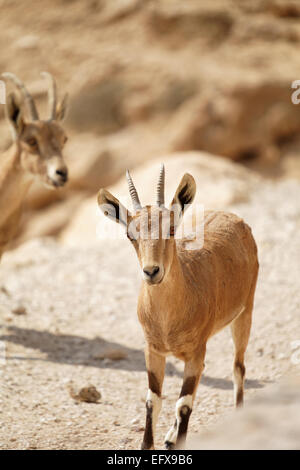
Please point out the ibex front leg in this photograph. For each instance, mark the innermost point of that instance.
(176, 437)
(156, 371)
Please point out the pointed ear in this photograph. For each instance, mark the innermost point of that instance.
(14, 114)
(112, 208)
(185, 194)
(61, 108)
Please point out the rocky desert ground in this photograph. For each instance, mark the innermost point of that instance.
(204, 87)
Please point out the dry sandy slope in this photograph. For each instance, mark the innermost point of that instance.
(81, 302)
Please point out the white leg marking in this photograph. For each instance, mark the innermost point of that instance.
(171, 435)
(186, 400)
(156, 402)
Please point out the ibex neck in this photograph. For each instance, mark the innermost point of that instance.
(14, 183)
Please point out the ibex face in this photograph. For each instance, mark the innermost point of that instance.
(151, 232)
(151, 229)
(40, 143)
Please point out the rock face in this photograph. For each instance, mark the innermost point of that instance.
(271, 421)
(220, 183)
(245, 121)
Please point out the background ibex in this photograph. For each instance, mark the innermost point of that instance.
(36, 151)
(187, 295)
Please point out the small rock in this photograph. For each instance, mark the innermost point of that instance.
(282, 356)
(134, 421)
(260, 352)
(20, 310)
(138, 428)
(4, 291)
(88, 394)
(126, 440)
(31, 447)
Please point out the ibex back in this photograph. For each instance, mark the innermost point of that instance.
(187, 295)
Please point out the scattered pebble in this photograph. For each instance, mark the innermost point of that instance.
(4, 291)
(126, 440)
(87, 394)
(138, 428)
(20, 310)
(134, 421)
(282, 356)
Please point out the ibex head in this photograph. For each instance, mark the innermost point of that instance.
(40, 142)
(151, 229)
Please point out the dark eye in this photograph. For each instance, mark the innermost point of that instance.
(65, 139)
(32, 142)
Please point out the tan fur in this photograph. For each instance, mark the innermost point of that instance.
(36, 152)
(191, 295)
(204, 289)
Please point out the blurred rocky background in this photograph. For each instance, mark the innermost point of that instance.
(148, 78)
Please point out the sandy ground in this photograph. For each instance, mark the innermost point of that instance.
(78, 304)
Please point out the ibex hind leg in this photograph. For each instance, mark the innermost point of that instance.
(240, 330)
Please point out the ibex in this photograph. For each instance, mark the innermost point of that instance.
(187, 295)
(36, 151)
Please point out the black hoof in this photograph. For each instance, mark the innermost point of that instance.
(144, 447)
(169, 445)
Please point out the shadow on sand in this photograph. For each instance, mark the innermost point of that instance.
(78, 350)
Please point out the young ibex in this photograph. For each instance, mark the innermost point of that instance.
(36, 151)
(187, 295)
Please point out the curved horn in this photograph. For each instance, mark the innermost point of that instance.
(51, 94)
(160, 191)
(27, 96)
(133, 193)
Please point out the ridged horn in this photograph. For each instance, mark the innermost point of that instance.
(52, 94)
(133, 193)
(27, 96)
(160, 190)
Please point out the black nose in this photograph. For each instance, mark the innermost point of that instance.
(63, 174)
(151, 271)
